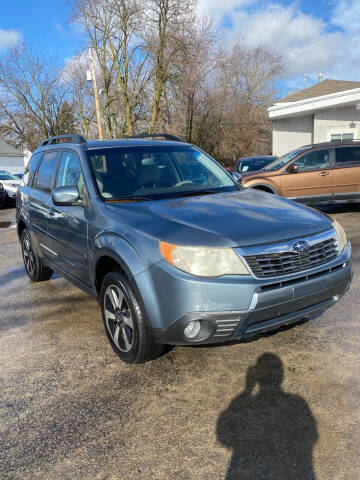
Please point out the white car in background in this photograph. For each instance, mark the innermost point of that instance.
(10, 183)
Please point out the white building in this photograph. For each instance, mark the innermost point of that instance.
(11, 159)
(329, 110)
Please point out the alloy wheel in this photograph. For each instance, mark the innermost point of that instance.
(118, 318)
(29, 256)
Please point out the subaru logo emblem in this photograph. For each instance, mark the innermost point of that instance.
(301, 246)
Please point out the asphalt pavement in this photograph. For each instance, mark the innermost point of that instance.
(285, 406)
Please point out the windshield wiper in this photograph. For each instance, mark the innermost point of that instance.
(127, 199)
(196, 192)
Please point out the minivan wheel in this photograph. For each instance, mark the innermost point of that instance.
(124, 321)
(37, 272)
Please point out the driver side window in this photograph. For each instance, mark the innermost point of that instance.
(316, 160)
(70, 172)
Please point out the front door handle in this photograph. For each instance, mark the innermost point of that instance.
(324, 174)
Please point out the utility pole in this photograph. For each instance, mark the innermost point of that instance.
(97, 104)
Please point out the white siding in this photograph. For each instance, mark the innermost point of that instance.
(12, 164)
(333, 119)
(291, 133)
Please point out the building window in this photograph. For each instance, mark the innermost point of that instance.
(336, 137)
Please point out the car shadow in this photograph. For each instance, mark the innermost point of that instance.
(271, 433)
(338, 208)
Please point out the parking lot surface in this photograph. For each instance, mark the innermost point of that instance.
(285, 406)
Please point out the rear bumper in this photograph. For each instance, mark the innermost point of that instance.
(271, 306)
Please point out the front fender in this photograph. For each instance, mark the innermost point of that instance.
(132, 262)
(120, 250)
(261, 183)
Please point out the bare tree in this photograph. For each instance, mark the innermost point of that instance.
(194, 62)
(33, 102)
(236, 121)
(81, 92)
(158, 65)
(166, 21)
(114, 29)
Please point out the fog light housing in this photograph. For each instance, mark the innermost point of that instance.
(192, 329)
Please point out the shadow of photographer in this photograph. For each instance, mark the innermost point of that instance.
(271, 433)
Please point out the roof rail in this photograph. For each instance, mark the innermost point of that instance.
(70, 138)
(166, 136)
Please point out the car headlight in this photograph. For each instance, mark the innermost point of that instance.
(341, 235)
(204, 261)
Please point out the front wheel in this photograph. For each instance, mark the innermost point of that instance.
(37, 272)
(264, 189)
(124, 323)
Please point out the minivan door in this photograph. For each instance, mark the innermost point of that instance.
(346, 176)
(313, 180)
(67, 225)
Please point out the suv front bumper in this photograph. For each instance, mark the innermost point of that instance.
(270, 304)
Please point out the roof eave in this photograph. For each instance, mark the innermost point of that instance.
(310, 105)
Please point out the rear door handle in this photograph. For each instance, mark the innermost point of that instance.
(324, 174)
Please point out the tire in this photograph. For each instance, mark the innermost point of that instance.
(8, 201)
(264, 189)
(37, 272)
(124, 322)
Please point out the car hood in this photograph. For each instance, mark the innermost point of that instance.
(244, 218)
(11, 182)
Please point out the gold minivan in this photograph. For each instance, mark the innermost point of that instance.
(320, 173)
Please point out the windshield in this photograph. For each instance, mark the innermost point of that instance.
(156, 172)
(280, 162)
(4, 175)
(253, 164)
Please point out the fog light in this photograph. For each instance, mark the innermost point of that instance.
(192, 329)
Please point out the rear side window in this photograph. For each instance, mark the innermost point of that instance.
(70, 172)
(31, 168)
(347, 156)
(46, 171)
(316, 160)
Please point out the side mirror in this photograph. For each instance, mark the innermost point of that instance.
(67, 195)
(294, 168)
(236, 176)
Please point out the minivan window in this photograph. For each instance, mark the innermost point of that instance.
(347, 156)
(280, 162)
(156, 171)
(30, 168)
(70, 172)
(46, 171)
(315, 160)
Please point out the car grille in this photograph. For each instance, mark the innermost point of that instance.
(284, 263)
